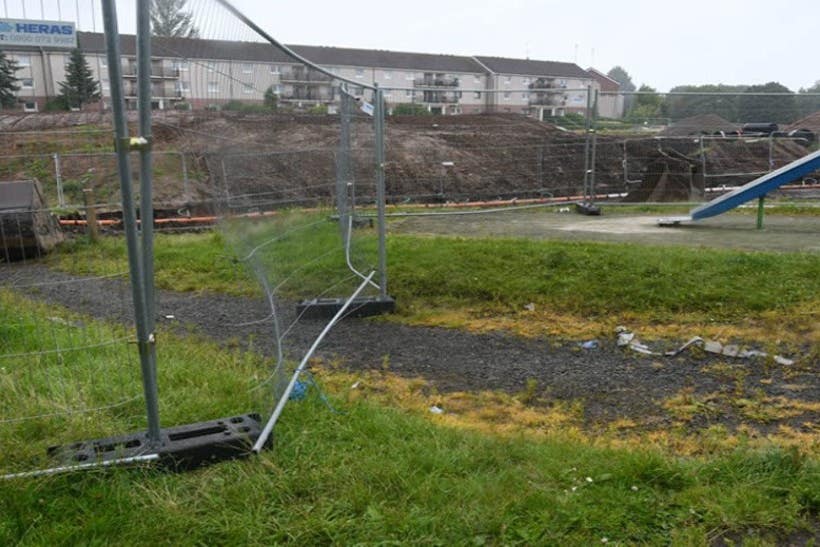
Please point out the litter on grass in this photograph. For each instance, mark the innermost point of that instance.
(626, 338)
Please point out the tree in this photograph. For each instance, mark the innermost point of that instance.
(720, 99)
(807, 104)
(647, 106)
(271, 99)
(168, 18)
(760, 108)
(623, 78)
(80, 86)
(8, 81)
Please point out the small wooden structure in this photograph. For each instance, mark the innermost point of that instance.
(27, 227)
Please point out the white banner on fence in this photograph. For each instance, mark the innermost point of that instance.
(25, 32)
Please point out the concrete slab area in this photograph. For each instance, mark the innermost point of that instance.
(733, 231)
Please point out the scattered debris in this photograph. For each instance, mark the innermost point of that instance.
(626, 338)
(783, 361)
(170, 317)
(356, 384)
(435, 409)
(61, 321)
(530, 306)
(590, 344)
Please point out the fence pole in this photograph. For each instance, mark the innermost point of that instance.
(594, 152)
(145, 338)
(380, 190)
(185, 182)
(146, 164)
(91, 226)
(587, 126)
(58, 176)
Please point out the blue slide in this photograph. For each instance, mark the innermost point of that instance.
(758, 187)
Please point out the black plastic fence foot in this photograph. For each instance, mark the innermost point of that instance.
(180, 448)
(587, 208)
(326, 308)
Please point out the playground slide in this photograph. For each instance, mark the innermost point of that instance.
(758, 187)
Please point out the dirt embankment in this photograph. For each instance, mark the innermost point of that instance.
(293, 158)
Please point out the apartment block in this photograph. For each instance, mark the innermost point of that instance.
(195, 73)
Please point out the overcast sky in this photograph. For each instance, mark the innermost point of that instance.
(659, 43)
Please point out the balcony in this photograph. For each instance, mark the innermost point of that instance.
(129, 70)
(304, 76)
(434, 97)
(437, 81)
(544, 83)
(157, 92)
(547, 99)
(306, 95)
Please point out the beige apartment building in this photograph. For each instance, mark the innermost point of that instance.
(194, 73)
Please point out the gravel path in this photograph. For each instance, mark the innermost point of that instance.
(610, 382)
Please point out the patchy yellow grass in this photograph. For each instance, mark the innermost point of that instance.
(504, 414)
(799, 325)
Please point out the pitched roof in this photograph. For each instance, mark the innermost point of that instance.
(266, 53)
(188, 48)
(527, 67)
(388, 59)
(607, 83)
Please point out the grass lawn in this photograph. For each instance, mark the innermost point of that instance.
(576, 288)
(370, 474)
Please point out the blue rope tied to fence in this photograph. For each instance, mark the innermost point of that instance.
(301, 388)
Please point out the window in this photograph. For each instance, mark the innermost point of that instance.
(247, 89)
(562, 83)
(360, 73)
(213, 87)
(277, 89)
(408, 92)
(275, 69)
(181, 65)
(525, 81)
(388, 75)
(30, 106)
(27, 83)
(524, 95)
(247, 68)
(210, 66)
(506, 95)
(476, 79)
(409, 76)
(24, 61)
(477, 95)
(507, 80)
(183, 87)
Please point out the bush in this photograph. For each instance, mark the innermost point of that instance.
(56, 105)
(239, 106)
(182, 106)
(410, 109)
(319, 110)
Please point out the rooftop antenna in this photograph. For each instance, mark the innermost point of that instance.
(527, 56)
